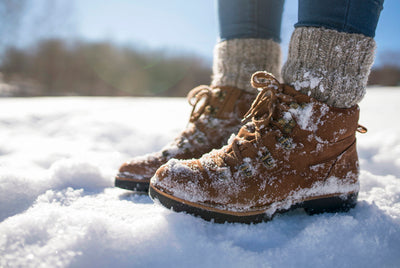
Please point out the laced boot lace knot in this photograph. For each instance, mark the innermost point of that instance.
(200, 98)
(266, 98)
(260, 113)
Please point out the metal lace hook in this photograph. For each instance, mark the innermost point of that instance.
(361, 129)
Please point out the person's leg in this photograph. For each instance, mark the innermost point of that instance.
(249, 37)
(250, 19)
(332, 49)
(349, 16)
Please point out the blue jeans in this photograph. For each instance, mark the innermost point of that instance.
(250, 19)
(262, 18)
(350, 16)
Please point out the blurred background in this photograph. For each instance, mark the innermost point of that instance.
(134, 47)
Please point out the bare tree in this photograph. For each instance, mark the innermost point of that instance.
(25, 22)
(48, 19)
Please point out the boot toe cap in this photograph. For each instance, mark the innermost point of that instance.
(178, 178)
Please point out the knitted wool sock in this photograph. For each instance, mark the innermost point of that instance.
(236, 60)
(330, 66)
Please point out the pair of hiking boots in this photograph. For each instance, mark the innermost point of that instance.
(292, 151)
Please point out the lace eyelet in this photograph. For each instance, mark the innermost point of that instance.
(200, 140)
(245, 168)
(180, 143)
(221, 95)
(294, 105)
(287, 125)
(211, 110)
(165, 153)
(282, 121)
(285, 142)
(268, 160)
(287, 129)
(222, 176)
(223, 173)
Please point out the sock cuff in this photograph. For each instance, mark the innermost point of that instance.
(331, 66)
(235, 60)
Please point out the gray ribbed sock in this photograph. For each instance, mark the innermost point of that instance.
(328, 65)
(237, 59)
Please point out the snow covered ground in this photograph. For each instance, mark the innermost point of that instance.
(58, 207)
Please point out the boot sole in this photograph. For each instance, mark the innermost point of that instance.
(132, 184)
(316, 205)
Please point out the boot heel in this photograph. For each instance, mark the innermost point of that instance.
(330, 204)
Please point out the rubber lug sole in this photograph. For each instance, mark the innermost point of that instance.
(329, 204)
(132, 185)
(332, 204)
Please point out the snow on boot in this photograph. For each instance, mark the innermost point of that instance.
(296, 152)
(216, 114)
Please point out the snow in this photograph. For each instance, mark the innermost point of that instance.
(58, 208)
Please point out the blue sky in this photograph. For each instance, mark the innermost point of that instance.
(189, 25)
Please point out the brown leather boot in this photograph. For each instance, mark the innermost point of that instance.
(295, 152)
(216, 114)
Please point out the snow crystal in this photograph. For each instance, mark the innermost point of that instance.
(317, 167)
(176, 166)
(231, 138)
(304, 117)
(287, 116)
(310, 81)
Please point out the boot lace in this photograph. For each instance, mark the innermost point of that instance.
(195, 98)
(199, 97)
(260, 112)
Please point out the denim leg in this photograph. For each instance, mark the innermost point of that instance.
(350, 16)
(250, 19)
